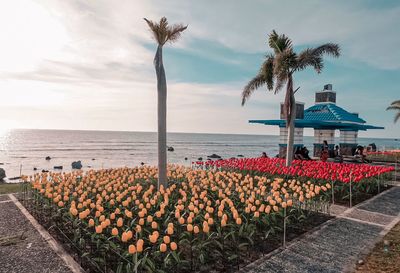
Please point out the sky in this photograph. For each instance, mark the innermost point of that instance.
(88, 64)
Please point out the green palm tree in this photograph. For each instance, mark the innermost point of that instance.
(395, 106)
(277, 71)
(162, 33)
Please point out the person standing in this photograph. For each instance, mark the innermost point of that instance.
(337, 154)
(324, 154)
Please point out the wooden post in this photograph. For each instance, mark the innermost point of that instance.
(136, 258)
(395, 168)
(379, 183)
(284, 227)
(351, 196)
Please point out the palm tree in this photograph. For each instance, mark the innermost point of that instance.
(395, 106)
(277, 71)
(162, 33)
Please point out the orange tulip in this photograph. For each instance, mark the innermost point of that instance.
(163, 247)
(124, 237)
(99, 229)
(166, 239)
(139, 245)
(120, 222)
(206, 228)
(132, 249)
(114, 232)
(173, 246)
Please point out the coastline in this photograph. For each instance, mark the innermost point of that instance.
(110, 149)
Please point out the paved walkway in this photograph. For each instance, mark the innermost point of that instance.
(33, 253)
(340, 242)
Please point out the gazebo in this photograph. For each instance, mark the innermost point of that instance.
(324, 117)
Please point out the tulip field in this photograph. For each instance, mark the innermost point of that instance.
(117, 220)
(385, 156)
(363, 179)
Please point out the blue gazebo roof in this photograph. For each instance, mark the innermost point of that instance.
(325, 116)
(318, 124)
(330, 112)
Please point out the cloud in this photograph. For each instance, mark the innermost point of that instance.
(361, 29)
(91, 61)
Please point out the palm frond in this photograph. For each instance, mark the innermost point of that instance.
(397, 117)
(155, 29)
(328, 49)
(284, 62)
(163, 33)
(175, 32)
(308, 57)
(280, 83)
(393, 107)
(279, 43)
(267, 69)
(396, 102)
(251, 86)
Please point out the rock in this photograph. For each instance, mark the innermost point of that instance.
(142, 163)
(1, 163)
(170, 149)
(48, 157)
(77, 165)
(360, 262)
(200, 158)
(214, 156)
(15, 178)
(240, 155)
(58, 167)
(45, 171)
(2, 174)
(186, 158)
(93, 158)
(34, 168)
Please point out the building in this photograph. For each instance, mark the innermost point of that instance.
(325, 117)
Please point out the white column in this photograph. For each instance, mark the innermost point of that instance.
(298, 135)
(283, 133)
(348, 137)
(321, 135)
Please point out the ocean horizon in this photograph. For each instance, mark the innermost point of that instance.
(22, 150)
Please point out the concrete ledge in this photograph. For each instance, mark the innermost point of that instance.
(54, 245)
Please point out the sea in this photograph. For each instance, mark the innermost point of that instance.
(23, 150)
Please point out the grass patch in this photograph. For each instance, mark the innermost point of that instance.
(380, 260)
(9, 187)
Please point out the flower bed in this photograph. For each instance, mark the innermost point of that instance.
(365, 179)
(384, 156)
(203, 220)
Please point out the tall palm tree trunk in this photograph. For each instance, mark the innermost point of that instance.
(162, 117)
(290, 105)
